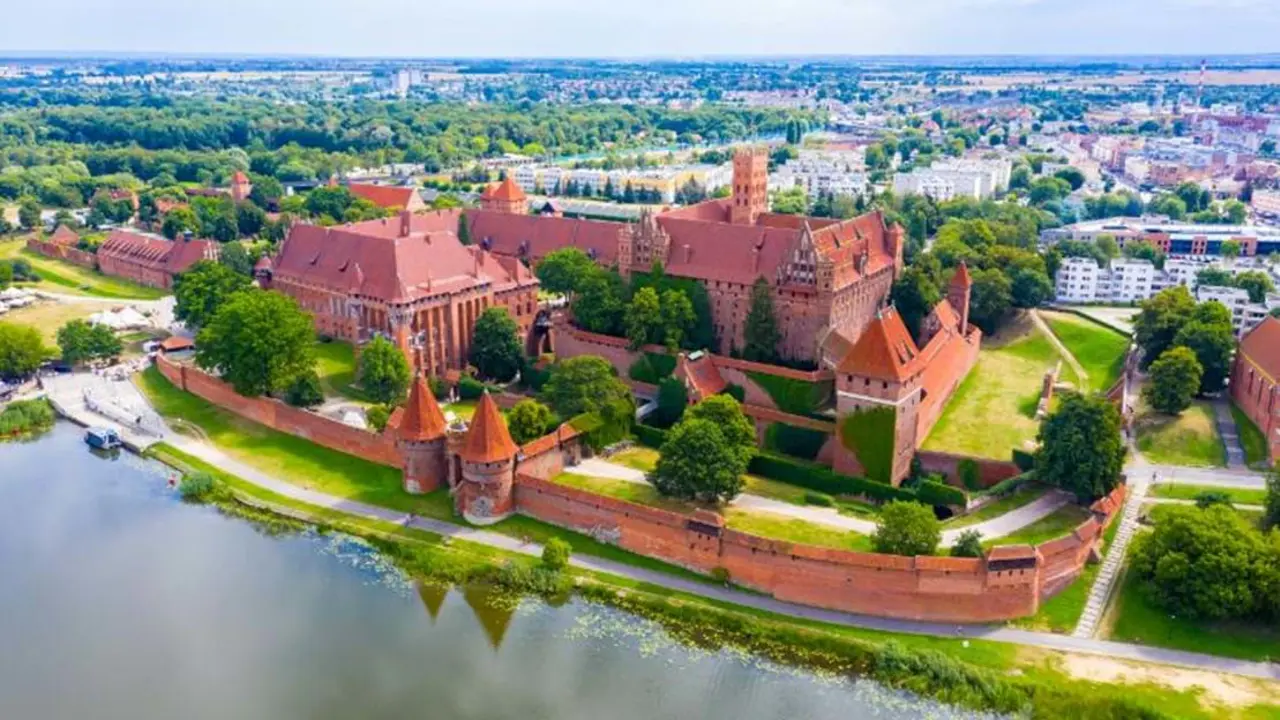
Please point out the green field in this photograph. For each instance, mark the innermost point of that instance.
(1025, 494)
(645, 459)
(62, 277)
(781, 527)
(1239, 496)
(1059, 523)
(336, 366)
(993, 411)
(1099, 350)
(1252, 440)
(1190, 439)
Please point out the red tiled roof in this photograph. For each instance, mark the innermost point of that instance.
(372, 258)
(239, 177)
(506, 190)
(701, 375)
(961, 276)
(174, 343)
(387, 196)
(64, 236)
(487, 438)
(157, 253)
(1262, 347)
(885, 350)
(422, 419)
(508, 233)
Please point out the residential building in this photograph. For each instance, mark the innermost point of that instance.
(1255, 381)
(1173, 238)
(1245, 314)
(922, 182)
(1266, 203)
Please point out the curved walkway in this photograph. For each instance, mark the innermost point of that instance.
(996, 527)
(1123, 651)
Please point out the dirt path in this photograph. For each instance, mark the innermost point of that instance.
(1062, 349)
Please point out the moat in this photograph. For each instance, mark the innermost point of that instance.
(121, 601)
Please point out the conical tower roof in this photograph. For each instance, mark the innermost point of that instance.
(422, 417)
(962, 278)
(487, 438)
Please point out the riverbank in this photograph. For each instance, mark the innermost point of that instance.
(972, 673)
(24, 418)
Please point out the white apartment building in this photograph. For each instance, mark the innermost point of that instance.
(949, 179)
(1078, 281)
(1245, 315)
(823, 173)
(1266, 202)
(923, 182)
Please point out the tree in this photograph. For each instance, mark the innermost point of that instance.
(1215, 277)
(1210, 335)
(6, 273)
(21, 350)
(1030, 288)
(1257, 283)
(565, 270)
(555, 554)
(250, 219)
(179, 221)
(1072, 176)
(495, 347)
(81, 342)
(673, 397)
(699, 463)
(644, 317)
(914, 294)
(266, 192)
(29, 213)
(1081, 450)
(1162, 316)
(1045, 190)
(1205, 564)
(1170, 205)
(677, 318)
(792, 201)
(464, 229)
(906, 528)
(304, 390)
(726, 413)
(383, 372)
(991, 298)
(1173, 380)
(969, 545)
(1271, 507)
(377, 417)
(259, 341)
(585, 383)
(760, 333)
(202, 289)
(529, 420)
(598, 305)
(1108, 246)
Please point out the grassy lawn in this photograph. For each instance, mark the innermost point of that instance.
(645, 459)
(1062, 612)
(47, 316)
(999, 396)
(1025, 494)
(1239, 496)
(1099, 350)
(1251, 439)
(638, 493)
(336, 366)
(637, 457)
(58, 276)
(1136, 619)
(781, 527)
(1055, 525)
(1190, 439)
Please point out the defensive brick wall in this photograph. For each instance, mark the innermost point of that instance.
(990, 471)
(378, 448)
(921, 588)
(73, 255)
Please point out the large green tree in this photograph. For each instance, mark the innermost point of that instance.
(205, 287)
(21, 350)
(699, 463)
(1162, 316)
(564, 270)
(991, 299)
(1210, 335)
(178, 221)
(915, 294)
(29, 213)
(259, 341)
(726, 413)
(1081, 450)
(678, 318)
(384, 371)
(760, 334)
(598, 305)
(529, 420)
(1257, 283)
(1173, 380)
(586, 383)
(82, 342)
(495, 346)
(673, 397)
(907, 528)
(644, 318)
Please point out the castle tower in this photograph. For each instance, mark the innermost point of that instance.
(505, 197)
(958, 293)
(485, 492)
(897, 241)
(421, 440)
(240, 187)
(750, 185)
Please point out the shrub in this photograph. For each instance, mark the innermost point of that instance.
(377, 417)
(907, 528)
(969, 545)
(1213, 497)
(21, 417)
(649, 435)
(795, 441)
(555, 554)
(970, 475)
(529, 420)
(720, 575)
(470, 389)
(932, 492)
(304, 391)
(735, 391)
(439, 387)
(817, 498)
(197, 486)
(816, 477)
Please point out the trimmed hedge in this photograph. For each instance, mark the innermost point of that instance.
(822, 479)
(794, 441)
(649, 435)
(794, 396)
(932, 492)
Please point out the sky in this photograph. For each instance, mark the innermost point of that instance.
(643, 28)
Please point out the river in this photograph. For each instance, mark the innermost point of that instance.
(121, 601)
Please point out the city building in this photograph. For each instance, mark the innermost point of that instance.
(150, 259)
(665, 181)
(1266, 203)
(1173, 238)
(946, 180)
(823, 172)
(1255, 381)
(407, 278)
(1245, 314)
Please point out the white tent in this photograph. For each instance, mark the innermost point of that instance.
(14, 293)
(123, 319)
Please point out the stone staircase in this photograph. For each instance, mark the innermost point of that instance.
(1100, 593)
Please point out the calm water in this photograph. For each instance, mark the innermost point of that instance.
(119, 601)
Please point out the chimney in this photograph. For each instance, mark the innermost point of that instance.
(406, 223)
(688, 253)
(188, 236)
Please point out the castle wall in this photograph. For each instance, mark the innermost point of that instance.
(990, 471)
(129, 269)
(73, 255)
(378, 448)
(1256, 393)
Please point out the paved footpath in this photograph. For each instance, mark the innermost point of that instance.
(996, 527)
(1230, 435)
(1123, 651)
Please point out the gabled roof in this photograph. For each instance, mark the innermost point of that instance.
(387, 196)
(157, 253)
(506, 190)
(507, 233)
(961, 277)
(239, 177)
(701, 375)
(487, 438)
(885, 350)
(64, 236)
(422, 419)
(1262, 347)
